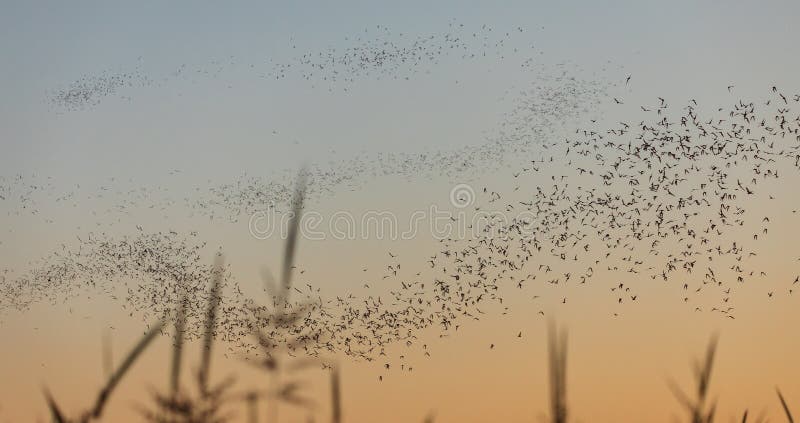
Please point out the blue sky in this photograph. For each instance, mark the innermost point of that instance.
(237, 121)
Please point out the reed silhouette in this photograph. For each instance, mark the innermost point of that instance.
(206, 404)
(699, 409)
(96, 411)
(557, 354)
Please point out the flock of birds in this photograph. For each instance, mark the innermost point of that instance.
(674, 196)
(384, 54)
(668, 198)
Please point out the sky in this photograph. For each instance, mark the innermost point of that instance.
(208, 106)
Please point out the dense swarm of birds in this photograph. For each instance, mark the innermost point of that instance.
(153, 268)
(90, 90)
(381, 53)
(661, 199)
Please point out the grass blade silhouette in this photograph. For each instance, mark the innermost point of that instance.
(702, 373)
(55, 411)
(291, 239)
(115, 378)
(336, 396)
(210, 324)
(557, 352)
(785, 406)
(177, 348)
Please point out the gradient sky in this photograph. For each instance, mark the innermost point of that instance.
(215, 128)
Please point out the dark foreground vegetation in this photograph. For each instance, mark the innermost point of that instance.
(217, 403)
